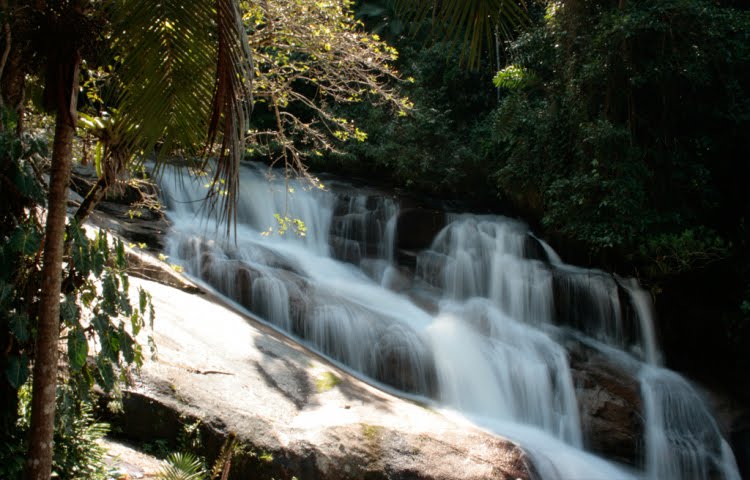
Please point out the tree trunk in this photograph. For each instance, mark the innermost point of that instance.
(39, 458)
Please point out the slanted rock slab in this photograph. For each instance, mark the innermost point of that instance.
(293, 413)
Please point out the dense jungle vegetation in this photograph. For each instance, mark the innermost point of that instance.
(619, 129)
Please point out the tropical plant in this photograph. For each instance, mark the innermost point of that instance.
(309, 57)
(382, 19)
(78, 454)
(156, 47)
(182, 466)
(96, 324)
(476, 24)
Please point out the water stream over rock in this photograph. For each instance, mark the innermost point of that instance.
(490, 324)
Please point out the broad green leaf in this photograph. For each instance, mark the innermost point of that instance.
(142, 299)
(136, 323)
(6, 293)
(126, 346)
(109, 294)
(106, 372)
(20, 328)
(78, 349)
(25, 241)
(70, 313)
(121, 261)
(18, 370)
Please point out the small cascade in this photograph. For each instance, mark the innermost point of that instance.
(486, 257)
(481, 326)
(493, 366)
(682, 438)
(644, 312)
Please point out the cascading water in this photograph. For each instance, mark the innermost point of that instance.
(478, 327)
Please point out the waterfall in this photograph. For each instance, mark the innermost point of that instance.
(478, 327)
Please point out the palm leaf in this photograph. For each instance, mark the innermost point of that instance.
(232, 101)
(472, 23)
(183, 73)
(182, 466)
(166, 71)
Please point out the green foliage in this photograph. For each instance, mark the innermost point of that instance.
(511, 77)
(20, 245)
(436, 148)
(182, 466)
(681, 252)
(630, 139)
(98, 321)
(103, 316)
(285, 223)
(309, 57)
(78, 454)
(470, 25)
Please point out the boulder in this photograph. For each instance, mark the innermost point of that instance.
(139, 226)
(221, 375)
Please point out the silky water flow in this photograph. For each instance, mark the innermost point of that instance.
(477, 329)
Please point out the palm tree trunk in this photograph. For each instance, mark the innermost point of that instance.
(39, 457)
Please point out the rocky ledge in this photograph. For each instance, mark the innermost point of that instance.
(219, 375)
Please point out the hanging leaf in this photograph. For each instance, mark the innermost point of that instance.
(121, 262)
(109, 294)
(126, 345)
(6, 294)
(106, 373)
(78, 349)
(25, 241)
(18, 370)
(20, 328)
(70, 312)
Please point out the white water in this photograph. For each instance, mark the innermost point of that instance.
(477, 327)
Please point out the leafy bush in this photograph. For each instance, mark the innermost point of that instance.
(77, 456)
(630, 138)
(97, 320)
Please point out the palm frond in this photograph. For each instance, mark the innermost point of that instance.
(166, 71)
(182, 466)
(470, 22)
(184, 72)
(232, 102)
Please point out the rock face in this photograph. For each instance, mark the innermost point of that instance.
(417, 228)
(293, 413)
(116, 212)
(610, 406)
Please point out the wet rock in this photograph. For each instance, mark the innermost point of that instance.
(595, 303)
(142, 227)
(345, 250)
(533, 249)
(732, 415)
(417, 227)
(137, 224)
(146, 266)
(610, 406)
